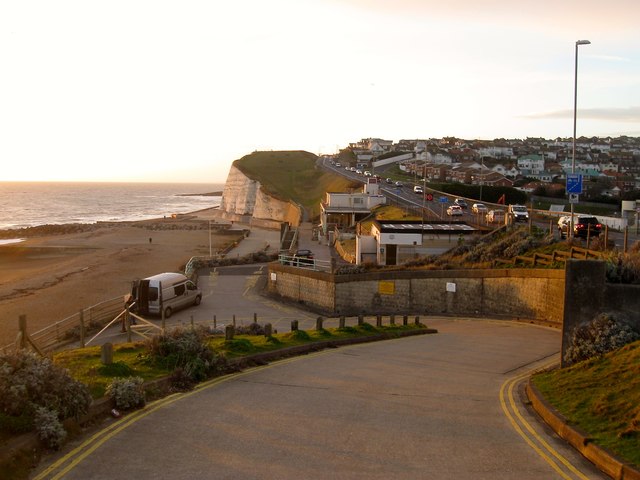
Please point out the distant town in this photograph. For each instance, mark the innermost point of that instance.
(610, 167)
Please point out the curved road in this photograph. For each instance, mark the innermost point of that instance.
(435, 407)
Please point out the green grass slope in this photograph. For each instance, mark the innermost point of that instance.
(602, 397)
(293, 175)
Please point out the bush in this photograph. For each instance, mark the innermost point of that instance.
(28, 382)
(127, 393)
(603, 334)
(252, 329)
(48, 427)
(188, 350)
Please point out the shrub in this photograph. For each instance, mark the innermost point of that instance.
(603, 334)
(186, 349)
(28, 381)
(180, 381)
(49, 428)
(127, 393)
(252, 329)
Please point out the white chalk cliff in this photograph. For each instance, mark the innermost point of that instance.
(244, 196)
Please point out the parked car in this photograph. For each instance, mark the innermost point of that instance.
(398, 183)
(585, 226)
(338, 164)
(479, 208)
(563, 225)
(367, 173)
(418, 189)
(358, 171)
(495, 216)
(303, 257)
(388, 180)
(461, 202)
(454, 211)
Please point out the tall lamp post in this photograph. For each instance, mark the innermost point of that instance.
(575, 115)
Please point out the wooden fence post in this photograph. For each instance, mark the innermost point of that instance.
(82, 331)
(127, 323)
(360, 320)
(341, 321)
(106, 353)
(378, 320)
(294, 325)
(229, 331)
(267, 330)
(319, 322)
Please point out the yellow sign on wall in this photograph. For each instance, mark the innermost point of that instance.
(386, 287)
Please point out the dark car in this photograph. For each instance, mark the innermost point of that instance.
(303, 257)
(586, 226)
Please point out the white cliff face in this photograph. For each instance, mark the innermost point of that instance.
(244, 196)
(239, 194)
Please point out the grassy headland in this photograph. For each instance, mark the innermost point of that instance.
(293, 175)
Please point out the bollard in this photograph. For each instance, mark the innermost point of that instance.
(229, 331)
(255, 317)
(341, 324)
(215, 323)
(405, 320)
(360, 320)
(378, 320)
(163, 324)
(392, 320)
(267, 330)
(234, 319)
(319, 321)
(106, 354)
(191, 322)
(417, 320)
(294, 325)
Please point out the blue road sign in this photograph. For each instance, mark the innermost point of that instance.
(574, 183)
(444, 199)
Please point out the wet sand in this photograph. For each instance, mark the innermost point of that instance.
(52, 276)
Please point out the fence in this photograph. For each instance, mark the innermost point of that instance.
(307, 263)
(545, 259)
(69, 329)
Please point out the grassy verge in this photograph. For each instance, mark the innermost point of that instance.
(130, 359)
(601, 397)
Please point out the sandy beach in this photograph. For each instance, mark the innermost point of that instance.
(51, 276)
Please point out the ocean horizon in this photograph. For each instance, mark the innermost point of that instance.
(31, 204)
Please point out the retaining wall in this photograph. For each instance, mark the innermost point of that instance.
(528, 294)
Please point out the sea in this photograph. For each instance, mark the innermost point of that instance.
(29, 204)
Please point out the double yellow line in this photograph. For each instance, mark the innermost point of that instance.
(64, 465)
(559, 463)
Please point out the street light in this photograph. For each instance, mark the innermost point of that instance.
(575, 115)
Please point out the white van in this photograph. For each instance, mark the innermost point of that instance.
(166, 292)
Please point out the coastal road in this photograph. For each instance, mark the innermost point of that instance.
(436, 406)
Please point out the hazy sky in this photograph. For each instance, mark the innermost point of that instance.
(177, 90)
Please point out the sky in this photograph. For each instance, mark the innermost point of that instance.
(175, 91)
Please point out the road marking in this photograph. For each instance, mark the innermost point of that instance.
(531, 437)
(57, 470)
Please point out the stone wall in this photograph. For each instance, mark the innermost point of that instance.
(243, 196)
(526, 294)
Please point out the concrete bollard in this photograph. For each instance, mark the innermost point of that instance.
(341, 322)
(234, 319)
(392, 320)
(378, 320)
(267, 330)
(106, 354)
(417, 319)
(229, 332)
(405, 319)
(360, 319)
(294, 325)
(215, 322)
(319, 322)
(255, 317)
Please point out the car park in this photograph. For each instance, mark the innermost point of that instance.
(479, 208)
(454, 211)
(461, 202)
(495, 216)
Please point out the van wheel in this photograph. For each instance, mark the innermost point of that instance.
(197, 300)
(167, 312)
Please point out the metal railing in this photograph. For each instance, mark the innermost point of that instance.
(306, 263)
